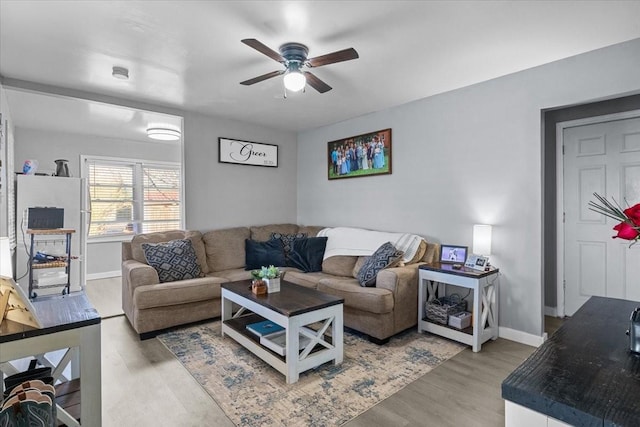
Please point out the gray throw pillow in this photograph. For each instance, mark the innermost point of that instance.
(174, 260)
(385, 256)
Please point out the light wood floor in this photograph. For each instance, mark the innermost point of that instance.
(552, 324)
(105, 295)
(144, 385)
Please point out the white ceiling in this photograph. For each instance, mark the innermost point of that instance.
(188, 54)
(72, 115)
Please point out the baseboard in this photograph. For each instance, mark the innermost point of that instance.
(519, 336)
(104, 275)
(551, 311)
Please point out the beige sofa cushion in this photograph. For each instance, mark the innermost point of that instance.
(308, 280)
(166, 236)
(225, 248)
(233, 275)
(373, 300)
(175, 293)
(311, 230)
(359, 263)
(237, 274)
(432, 254)
(339, 265)
(422, 249)
(262, 233)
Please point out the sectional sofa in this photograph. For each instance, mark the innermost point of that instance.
(150, 306)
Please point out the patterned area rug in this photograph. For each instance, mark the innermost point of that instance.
(252, 393)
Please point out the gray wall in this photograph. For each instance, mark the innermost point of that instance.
(217, 195)
(468, 156)
(220, 195)
(46, 146)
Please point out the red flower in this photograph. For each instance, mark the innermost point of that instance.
(634, 214)
(626, 231)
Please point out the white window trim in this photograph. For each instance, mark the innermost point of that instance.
(84, 159)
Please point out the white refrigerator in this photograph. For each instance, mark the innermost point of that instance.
(70, 194)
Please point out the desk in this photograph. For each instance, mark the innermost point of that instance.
(68, 322)
(432, 281)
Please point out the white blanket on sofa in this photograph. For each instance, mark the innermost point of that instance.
(361, 242)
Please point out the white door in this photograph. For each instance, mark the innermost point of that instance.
(603, 158)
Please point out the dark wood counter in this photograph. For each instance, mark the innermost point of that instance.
(584, 374)
(56, 313)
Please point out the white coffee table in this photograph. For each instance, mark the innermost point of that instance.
(294, 308)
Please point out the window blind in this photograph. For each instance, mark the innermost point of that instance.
(132, 197)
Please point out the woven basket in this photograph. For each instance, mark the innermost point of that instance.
(438, 310)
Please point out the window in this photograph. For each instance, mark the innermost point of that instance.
(132, 196)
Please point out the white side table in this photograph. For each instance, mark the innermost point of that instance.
(433, 279)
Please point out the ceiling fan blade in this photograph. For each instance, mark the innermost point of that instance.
(262, 78)
(260, 47)
(316, 83)
(332, 58)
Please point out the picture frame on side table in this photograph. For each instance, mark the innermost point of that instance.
(477, 262)
(450, 254)
(361, 155)
(247, 153)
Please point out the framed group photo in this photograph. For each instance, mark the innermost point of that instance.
(361, 155)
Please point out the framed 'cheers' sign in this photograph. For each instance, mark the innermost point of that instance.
(247, 153)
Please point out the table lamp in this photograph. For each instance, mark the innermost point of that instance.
(482, 239)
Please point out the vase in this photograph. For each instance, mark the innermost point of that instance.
(273, 285)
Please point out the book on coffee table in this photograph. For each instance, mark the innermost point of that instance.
(278, 342)
(266, 327)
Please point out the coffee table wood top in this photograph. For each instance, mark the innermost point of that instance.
(292, 299)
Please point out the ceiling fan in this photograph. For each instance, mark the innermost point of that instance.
(294, 58)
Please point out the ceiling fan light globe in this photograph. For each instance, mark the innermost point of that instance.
(294, 81)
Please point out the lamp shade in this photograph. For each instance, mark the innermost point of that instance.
(482, 239)
(6, 269)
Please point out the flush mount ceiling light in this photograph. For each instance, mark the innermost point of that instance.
(163, 134)
(120, 73)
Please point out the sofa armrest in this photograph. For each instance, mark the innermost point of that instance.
(127, 254)
(403, 283)
(398, 279)
(135, 273)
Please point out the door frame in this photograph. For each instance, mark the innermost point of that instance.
(560, 127)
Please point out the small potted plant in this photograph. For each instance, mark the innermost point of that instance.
(258, 285)
(270, 275)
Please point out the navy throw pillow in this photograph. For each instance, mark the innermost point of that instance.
(287, 240)
(307, 254)
(263, 254)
